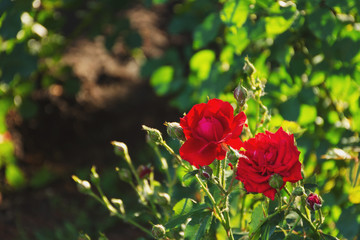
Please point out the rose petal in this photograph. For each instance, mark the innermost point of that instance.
(198, 152)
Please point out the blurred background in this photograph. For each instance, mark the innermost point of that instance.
(75, 75)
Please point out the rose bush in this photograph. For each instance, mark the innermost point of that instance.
(266, 155)
(209, 128)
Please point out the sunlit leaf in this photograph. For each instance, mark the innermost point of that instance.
(161, 79)
(307, 114)
(201, 63)
(354, 195)
(277, 24)
(235, 12)
(183, 206)
(238, 39)
(14, 176)
(292, 127)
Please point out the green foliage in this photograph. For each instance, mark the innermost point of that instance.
(307, 52)
(33, 37)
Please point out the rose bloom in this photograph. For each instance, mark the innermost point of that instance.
(209, 128)
(268, 154)
(313, 202)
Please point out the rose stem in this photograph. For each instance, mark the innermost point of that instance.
(307, 221)
(224, 222)
(293, 227)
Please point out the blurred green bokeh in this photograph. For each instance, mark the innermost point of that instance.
(307, 52)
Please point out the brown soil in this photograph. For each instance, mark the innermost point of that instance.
(70, 134)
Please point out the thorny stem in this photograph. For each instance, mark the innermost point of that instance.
(168, 177)
(287, 191)
(224, 222)
(292, 228)
(177, 157)
(132, 169)
(308, 222)
(104, 201)
(320, 219)
(222, 169)
(242, 209)
(232, 181)
(217, 183)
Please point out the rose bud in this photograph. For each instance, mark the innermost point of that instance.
(158, 231)
(276, 181)
(298, 191)
(233, 155)
(120, 204)
(313, 201)
(175, 130)
(94, 177)
(124, 174)
(82, 185)
(120, 148)
(240, 94)
(206, 172)
(154, 134)
(163, 198)
(143, 171)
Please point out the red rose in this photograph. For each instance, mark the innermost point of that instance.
(208, 128)
(268, 154)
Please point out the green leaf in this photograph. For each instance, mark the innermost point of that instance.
(19, 61)
(271, 224)
(196, 232)
(201, 63)
(183, 207)
(328, 237)
(157, 2)
(277, 24)
(348, 224)
(188, 178)
(14, 176)
(316, 78)
(11, 25)
(183, 210)
(161, 79)
(42, 178)
(257, 218)
(238, 39)
(235, 12)
(307, 115)
(323, 24)
(206, 31)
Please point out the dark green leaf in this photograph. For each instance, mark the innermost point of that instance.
(28, 108)
(206, 31)
(19, 61)
(348, 224)
(323, 24)
(328, 237)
